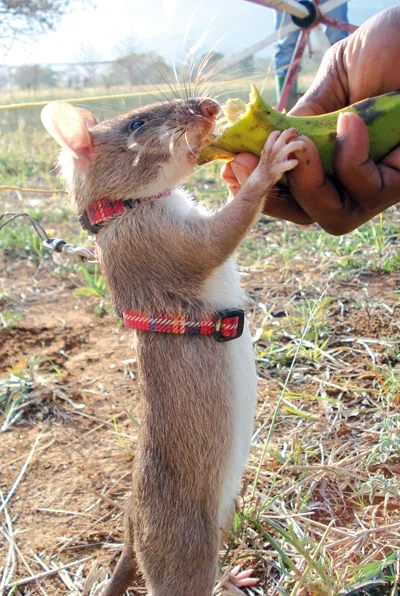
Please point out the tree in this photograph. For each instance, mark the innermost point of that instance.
(27, 18)
(90, 59)
(143, 69)
(5, 78)
(32, 77)
(215, 59)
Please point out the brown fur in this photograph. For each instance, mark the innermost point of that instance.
(157, 261)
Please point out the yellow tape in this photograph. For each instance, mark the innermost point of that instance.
(39, 104)
(162, 90)
(34, 190)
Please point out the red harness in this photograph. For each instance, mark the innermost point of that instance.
(223, 325)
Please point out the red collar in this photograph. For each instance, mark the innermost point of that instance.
(98, 212)
(223, 326)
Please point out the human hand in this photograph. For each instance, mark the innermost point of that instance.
(279, 202)
(361, 66)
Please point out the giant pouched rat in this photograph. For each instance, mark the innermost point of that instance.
(167, 265)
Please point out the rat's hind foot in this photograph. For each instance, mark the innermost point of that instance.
(236, 579)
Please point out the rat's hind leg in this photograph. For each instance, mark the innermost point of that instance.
(123, 575)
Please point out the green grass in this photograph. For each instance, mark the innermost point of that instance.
(26, 393)
(94, 287)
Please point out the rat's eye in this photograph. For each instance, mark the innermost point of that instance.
(137, 124)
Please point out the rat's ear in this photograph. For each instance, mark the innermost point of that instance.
(69, 127)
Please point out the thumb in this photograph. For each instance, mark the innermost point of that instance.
(363, 179)
(307, 106)
(327, 92)
(352, 154)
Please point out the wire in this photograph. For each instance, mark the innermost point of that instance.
(41, 232)
(81, 254)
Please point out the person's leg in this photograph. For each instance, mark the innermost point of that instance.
(339, 13)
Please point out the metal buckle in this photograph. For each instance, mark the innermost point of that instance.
(228, 314)
(81, 254)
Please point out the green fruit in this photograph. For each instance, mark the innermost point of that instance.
(381, 115)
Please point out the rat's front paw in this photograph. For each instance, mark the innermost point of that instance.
(277, 158)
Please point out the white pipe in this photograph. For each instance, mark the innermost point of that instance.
(256, 47)
(291, 6)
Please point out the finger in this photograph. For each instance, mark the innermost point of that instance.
(331, 206)
(372, 186)
(251, 581)
(243, 165)
(241, 574)
(392, 160)
(243, 578)
(236, 570)
(290, 148)
(273, 138)
(314, 192)
(227, 175)
(281, 205)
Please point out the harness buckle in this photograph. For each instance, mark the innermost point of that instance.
(229, 324)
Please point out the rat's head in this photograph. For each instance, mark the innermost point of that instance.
(139, 154)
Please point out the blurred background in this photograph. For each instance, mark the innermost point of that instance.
(99, 44)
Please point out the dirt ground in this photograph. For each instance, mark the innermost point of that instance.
(78, 434)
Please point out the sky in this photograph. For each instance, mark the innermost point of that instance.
(162, 25)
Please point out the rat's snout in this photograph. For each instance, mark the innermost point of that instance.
(209, 109)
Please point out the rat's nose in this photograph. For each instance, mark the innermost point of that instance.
(209, 109)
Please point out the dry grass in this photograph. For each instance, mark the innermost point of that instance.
(319, 512)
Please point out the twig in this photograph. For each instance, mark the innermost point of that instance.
(32, 578)
(10, 562)
(24, 562)
(107, 499)
(63, 511)
(13, 461)
(22, 472)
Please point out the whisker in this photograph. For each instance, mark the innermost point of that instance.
(180, 136)
(209, 55)
(192, 50)
(231, 91)
(196, 10)
(173, 140)
(173, 90)
(187, 143)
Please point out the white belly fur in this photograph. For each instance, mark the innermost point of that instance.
(222, 290)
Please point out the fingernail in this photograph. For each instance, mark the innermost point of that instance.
(342, 124)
